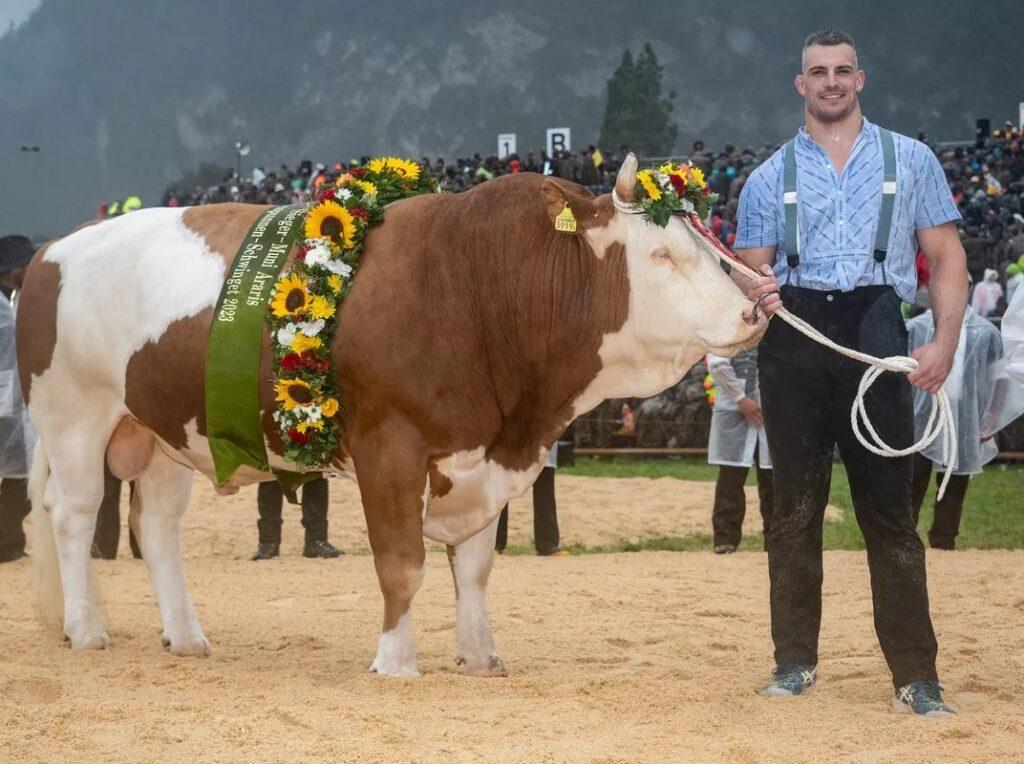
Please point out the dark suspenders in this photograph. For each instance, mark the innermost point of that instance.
(789, 199)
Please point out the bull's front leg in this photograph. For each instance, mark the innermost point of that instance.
(471, 563)
(392, 473)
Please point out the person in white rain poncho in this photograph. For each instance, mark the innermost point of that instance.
(17, 438)
(737, 439)
(982, 402)
(986, 295)
(1013, 340)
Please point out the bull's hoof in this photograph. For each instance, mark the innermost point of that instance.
(493, 666)
(89, 641)
(399, 671)
(194, 644)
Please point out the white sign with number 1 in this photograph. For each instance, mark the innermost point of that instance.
(506, 145)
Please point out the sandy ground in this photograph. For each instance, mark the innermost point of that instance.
(612, 658)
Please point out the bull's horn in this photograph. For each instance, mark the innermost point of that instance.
(626, 179)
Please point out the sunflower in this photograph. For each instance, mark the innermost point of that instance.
(647, 181)
(698, 176)
(365, 186)
(302, 343)
(291, 297)
(331, 220)
(408, 170)
(293, 392)
(321, 307)
(305, 427)
(329, 407)
(334, 282)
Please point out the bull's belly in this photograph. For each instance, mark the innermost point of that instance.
(479, 489)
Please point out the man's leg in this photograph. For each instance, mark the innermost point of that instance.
(14, 506)
(766, 499)
(922, 468)
(108, 520)
(545, 515)
(796, 401)
(314, 520)
(730, 506)
(501, 541)
(881, 491)
(946, 523)
(269, 500)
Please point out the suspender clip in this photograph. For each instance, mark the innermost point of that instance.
(793, 260)
(880, 255)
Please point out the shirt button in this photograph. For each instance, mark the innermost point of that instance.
(840, 193)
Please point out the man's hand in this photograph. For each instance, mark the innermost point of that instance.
(766, 285)
(751, 412)
(934, 360)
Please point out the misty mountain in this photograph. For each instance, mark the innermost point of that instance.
(124, 96)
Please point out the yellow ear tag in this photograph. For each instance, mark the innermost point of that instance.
(565, 220)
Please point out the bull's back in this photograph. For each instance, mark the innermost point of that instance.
(127, 303)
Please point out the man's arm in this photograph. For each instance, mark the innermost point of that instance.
(947, 263)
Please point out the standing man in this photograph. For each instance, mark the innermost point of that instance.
(737, 440)
(17, 440)
(836, 216)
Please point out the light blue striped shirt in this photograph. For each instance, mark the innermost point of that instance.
(838, 214)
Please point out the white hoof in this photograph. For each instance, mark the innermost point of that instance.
(187, 644)
(492, 665)
(95, 640)
(396, 655)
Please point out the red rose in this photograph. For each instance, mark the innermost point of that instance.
(291, 362)
(298, 437)
(327, 194)
(359, 212)
(678, 184)
(358, 172)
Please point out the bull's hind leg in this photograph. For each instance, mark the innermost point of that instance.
(471, 563)
(162, 494)
(392, 475)
(72, 495)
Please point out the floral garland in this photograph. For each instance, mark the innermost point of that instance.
(671, 189)
(303, 309)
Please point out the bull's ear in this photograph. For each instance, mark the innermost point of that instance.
(571, 212)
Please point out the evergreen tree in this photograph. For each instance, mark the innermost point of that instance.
(636, 114)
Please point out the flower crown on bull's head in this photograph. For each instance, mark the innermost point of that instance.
(658, 193)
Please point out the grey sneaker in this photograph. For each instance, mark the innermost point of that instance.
(921, 698)
(789, 679)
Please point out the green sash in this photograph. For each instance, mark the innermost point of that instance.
(233, 425)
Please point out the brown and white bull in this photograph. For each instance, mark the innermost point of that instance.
(475, 332)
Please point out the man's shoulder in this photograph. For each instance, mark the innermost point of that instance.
(768, 173)
(910, 148)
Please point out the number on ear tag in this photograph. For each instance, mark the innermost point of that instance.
(565, 220)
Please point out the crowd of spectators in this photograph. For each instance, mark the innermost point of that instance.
(986, 178)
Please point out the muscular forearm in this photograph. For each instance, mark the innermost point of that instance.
(948, 288)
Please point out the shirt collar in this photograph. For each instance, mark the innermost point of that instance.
(867, 130)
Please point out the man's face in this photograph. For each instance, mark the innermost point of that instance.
(830, 81)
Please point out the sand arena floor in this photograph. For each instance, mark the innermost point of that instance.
(612, 658)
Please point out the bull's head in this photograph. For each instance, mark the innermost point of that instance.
(681, 303)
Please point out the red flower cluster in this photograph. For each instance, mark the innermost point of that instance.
(359, 212)
(298, 437)
(358, 172)
(307, 360)
(678, 184)
(327, 194)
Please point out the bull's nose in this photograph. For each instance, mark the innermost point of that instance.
(751, 315)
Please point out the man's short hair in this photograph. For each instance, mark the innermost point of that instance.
(827, 37)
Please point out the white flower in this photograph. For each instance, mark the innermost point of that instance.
(311, 328)
(339, 267)
(319, 255)
(344, 193)
(286, 335)
(312, 413)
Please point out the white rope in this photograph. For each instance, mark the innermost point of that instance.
(940, 419)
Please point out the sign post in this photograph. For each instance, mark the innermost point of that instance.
(506, 145)
(559, 139)
(1020, 116)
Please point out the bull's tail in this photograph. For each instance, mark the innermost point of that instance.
(46, 564)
